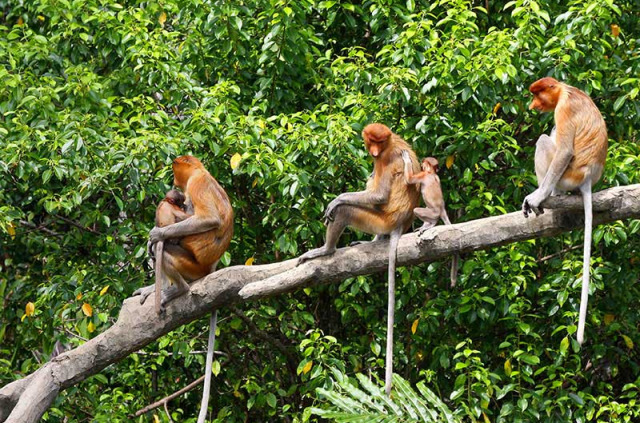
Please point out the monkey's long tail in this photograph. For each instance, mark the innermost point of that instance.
(158, 270)
(213, 322)
(391, 307)
(585, 189)
(454, 269)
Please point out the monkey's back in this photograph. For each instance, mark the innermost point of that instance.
(164, 214)
(590, 142)
(403, 198)
(209, 199)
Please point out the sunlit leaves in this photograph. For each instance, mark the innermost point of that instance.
(29, 310)
(87, 309)
(235, 160)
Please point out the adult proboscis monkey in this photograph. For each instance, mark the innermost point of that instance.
(385, 207)
(571, 158)
(204, 237)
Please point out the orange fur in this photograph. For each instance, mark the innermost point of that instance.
(171, 209)
(579, 121)
(388, 167)
(208, 200)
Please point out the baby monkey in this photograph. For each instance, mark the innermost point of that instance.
(172, 209)
(433, 199)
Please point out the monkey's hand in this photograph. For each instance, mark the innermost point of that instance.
(406, 157)
(532, 203)
(155, 235)
(330, 211)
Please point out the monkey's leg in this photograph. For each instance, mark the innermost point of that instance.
(159, 276)
(585, 189)
(213, 322)
(453, 277)
(175, 259)
(428, 215)
(335, 228)
(391, 308)
(545, 150)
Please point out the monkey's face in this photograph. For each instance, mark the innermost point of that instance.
(376, 138)
(175, 197)
(375, 148)
(183, 168)
(430, 165)
(546, 92)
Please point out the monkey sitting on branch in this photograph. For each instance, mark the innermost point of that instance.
(385, 207)
(203, 237)
(571, 158)
(434, 209)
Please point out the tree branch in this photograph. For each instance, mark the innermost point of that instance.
(138, 325)
(168, 398)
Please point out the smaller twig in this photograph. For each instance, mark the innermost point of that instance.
(77, 225)
(566, 250)
(74, 335)
(40, 228)
(220, 353)
(169, 398)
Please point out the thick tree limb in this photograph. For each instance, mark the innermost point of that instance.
(138, 325)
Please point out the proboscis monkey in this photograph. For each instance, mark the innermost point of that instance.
(384, 208)
(434, 209)
(171, 210)
(571, 158)
(204, 237)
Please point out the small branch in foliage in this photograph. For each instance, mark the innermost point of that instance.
(168, 398)
(77, 225)
(40, 228)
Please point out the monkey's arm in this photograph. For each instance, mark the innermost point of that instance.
(409, 177)
(179, 215)
(366, 199)
(190, 226)
(561, 159)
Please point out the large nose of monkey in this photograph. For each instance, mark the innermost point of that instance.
(532, 105)
(375, 152)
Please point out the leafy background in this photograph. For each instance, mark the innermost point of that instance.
(97, 97)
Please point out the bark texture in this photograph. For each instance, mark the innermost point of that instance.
(25, 400)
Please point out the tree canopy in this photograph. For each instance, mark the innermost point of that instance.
(97, 97)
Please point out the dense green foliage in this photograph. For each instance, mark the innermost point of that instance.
(97, 97)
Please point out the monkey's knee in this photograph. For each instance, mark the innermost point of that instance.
(426, 214)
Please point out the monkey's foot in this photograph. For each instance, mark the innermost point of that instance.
(171, 293)
(532, 202)
(375, 239)
(318, 252)
(425, 227)
(144, 292)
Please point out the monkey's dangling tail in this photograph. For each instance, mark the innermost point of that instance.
(158, 271)
(585, 189)
(391, 308)
(454, 269)
(213, 322)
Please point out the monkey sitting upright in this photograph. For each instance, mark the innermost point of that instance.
(433, 199)
(383, 208)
